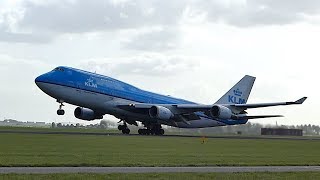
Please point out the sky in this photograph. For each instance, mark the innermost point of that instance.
(196, 50)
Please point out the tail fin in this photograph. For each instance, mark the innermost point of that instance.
(239, 93)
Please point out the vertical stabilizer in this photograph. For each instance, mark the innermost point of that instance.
(239, 93)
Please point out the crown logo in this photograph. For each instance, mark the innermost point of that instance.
(90, 80)
(237, 92)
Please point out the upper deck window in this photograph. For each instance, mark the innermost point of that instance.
(58, 69)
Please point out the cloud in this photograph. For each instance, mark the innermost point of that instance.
(49, 19)
(159, 39)
(245, 13)
(24, 37)
(151, 64)
(42, 21)
(19, 90)
(87, 16)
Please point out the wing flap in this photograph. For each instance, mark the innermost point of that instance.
(255, 117)
(134, 108)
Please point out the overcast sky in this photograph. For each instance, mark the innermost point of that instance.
(189, 49)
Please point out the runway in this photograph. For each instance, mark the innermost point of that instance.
(50, 170)
(169, 135)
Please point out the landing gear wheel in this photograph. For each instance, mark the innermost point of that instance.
(153, 132)
(148, 132)
(60, 112)
(124, 128)
(126, 131)
(151, 129)
(143, 131)
(161, 132)
(121, 127)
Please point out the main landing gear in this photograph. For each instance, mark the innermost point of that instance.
(152, 130)
(60, 111)
(124, 128)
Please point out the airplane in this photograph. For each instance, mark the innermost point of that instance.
(97, 95)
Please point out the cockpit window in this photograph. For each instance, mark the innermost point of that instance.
(58, 69)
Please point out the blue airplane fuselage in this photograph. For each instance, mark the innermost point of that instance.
(103, 94)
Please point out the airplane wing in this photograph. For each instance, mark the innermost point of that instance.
(259, 105)
(190, 109)
(176, 108)
(200, 107)
(232, 105)
(195, 107)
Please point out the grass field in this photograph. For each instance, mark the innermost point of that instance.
(88, 150)
(134, 130)
(156, 176)
(45, 129)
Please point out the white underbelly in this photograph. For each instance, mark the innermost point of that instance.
(83, 98)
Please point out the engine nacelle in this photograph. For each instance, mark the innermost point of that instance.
(221, 112)
(160, 112)
(86, 114)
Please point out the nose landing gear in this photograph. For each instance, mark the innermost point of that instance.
(60, 111)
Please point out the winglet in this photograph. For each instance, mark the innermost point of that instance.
(300, 101)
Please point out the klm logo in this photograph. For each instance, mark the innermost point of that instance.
(236, 97)
(237, 92)
(90, 83)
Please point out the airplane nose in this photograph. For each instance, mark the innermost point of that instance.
(40, 78)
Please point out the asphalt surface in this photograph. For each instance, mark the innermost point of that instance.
(50, 170)
(119, 134)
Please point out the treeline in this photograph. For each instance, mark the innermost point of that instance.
(104, 124)
(245, 129)
(248, 129)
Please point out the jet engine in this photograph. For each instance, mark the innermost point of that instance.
(86, 114)
(221, 112)
(160, 112)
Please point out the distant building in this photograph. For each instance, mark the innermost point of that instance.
(281, 131)
(12, 122)
(40, 123)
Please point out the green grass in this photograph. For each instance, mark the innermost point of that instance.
(88, 150)
(46, 129)
(154, 176)
(134, 130)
